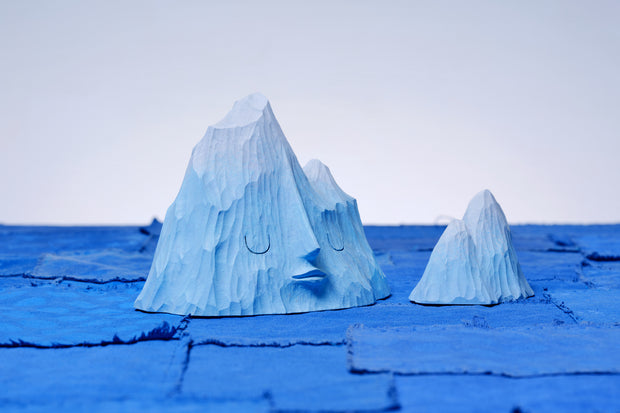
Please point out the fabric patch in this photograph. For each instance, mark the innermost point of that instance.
(298, 378)
(48, 314)
(81, 374)
(95, 266)
(516, 352)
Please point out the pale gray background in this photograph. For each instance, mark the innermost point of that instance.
(415, 106)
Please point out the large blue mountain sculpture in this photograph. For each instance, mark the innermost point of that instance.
(251, 232)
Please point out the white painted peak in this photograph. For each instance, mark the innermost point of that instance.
(483, 203)
(456, 229)
(233, 140)
(482, 200)
(245, 111)
(323, 182)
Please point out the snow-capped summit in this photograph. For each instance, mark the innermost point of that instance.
(245, 111)
(324, 183)
(234, 145)
(249, 233)
(474, 261)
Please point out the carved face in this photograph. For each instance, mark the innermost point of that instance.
(250, 233)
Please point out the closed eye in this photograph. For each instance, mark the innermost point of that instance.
(339, 248)
(257, 252)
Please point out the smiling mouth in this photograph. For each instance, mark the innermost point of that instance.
(311, 275)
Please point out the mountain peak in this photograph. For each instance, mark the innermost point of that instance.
(245, 111)
(323, 182)
(316, 169)
(482, 199)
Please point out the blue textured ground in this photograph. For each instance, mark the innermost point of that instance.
(71, 341)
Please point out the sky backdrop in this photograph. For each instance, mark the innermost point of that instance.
(415, 106)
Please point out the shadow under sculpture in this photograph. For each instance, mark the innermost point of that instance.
(474, 261)
(251, 232)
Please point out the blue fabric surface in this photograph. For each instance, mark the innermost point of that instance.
(70, 339)
(308, 377)
(595, 306)
(514, 352)
(600, 245)
(94, 266)
(21, 248)
(42, 313)
(541, 266)
(331, 327)
(26, 241)
(133, 405)
(601, 274)
(144, 370)
(474, 394)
